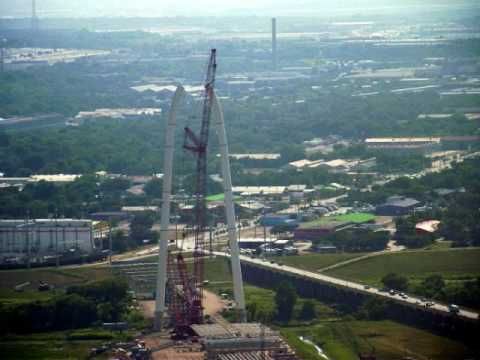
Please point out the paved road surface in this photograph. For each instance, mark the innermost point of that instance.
(352, 285)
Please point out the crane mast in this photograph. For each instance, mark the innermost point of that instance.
(197, 144)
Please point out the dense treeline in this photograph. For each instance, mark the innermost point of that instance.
(462, 175)
(466, 293)
(253, 124)
(80, 306)
(77, 199)
(458, 212)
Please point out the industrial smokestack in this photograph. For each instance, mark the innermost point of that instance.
(274, 43)
(34, 16)
(2, 56)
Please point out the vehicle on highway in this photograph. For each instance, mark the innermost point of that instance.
(366, 287)
(392, 292)
(454, 309)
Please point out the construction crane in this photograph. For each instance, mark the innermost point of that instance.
(186, 291)
(197, 144)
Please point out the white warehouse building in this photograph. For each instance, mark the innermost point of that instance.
(45, 236)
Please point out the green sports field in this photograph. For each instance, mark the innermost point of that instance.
(220, 197)
(357, 218)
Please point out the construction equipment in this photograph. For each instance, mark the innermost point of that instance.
(198, 146)
(183, 288)
(187, 291)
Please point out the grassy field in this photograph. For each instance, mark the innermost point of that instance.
(353, 217)
(451, 264)
(342, 340)
(60, 278)
(314, 262)
(220, 197)
(56, 345)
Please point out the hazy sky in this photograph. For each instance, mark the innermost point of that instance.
(211, 7)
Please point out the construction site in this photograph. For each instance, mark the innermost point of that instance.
(187, 320)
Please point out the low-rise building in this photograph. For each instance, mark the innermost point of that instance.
(257, 156)
(139, 209)
(278, 220)
(427, 226)
(396, 206)
(317, 232)
(410, 143)
(45, 236)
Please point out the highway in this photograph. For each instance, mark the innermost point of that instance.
(415, 301)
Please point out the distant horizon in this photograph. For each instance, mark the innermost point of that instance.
(18, 9)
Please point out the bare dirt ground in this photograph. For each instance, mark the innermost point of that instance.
(213, 305)
(165, 349)
(177, 354)
(148, 308)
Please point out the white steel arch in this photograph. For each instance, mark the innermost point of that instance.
(219, 124)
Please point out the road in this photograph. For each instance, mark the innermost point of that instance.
(415, 301)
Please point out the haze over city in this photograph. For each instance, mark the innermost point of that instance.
(239, 180)
(154, 8)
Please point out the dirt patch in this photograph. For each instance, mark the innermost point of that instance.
(148, 308)
(177, 354)
(211, 301)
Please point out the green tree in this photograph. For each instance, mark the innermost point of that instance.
(285, 299)
(433, 285)
(153, 188)
(120, 241)
(141, 227)
(373, 309)
(308, 310)
(395, 281)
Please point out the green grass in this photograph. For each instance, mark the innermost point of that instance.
(56, 345)
(440, 245)
(220, 197)
(342, 340)
(314, 262)
(353, 217)
(60, 278)
(451, 264)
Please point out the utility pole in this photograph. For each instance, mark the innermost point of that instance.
(274, 44)
(27, 238)
(57, 256)
(34, 16)
(110, 240)
(2, 55)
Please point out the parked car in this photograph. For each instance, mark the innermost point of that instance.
(454, 309)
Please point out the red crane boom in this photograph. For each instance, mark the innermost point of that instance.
(198, 144)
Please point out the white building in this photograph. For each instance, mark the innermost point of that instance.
(45, 236)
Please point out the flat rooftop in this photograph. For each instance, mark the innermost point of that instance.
(236, 330)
